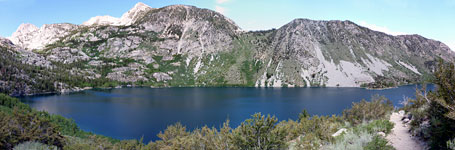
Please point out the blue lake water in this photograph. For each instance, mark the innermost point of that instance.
(130, 113)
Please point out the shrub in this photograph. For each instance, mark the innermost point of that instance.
(378, 143)
(351, 140)
(24, 126)
(379, 126)
(310, 132)
(10, 102)
(34, 146)
(378, 108)
(260, 132)
(363, 136)
(451, 144)
(176, 137)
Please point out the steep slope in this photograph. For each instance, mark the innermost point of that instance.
(341, 53)
(182, 45)
(23, 72)
(17, 77)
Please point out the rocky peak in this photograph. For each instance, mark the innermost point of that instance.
(25, 28)
(134, 13)
(101, 20)
(30, 37)
(127, 18)
(23, 33)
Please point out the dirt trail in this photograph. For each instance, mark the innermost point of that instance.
(400, 138)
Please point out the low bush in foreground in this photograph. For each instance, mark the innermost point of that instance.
(379, 108)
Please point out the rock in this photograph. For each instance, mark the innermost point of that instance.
(401, 112)
(406, 120)
(160, 76)
(339, 132)
(156, 66)
(381, 134)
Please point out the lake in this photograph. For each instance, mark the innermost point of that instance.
(130, 113)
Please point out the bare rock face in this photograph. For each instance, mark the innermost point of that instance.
(183, 45)
(30, 37)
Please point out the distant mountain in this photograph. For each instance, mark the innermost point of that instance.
(182, 45)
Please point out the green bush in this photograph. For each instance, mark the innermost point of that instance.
(350, 141)
(259, 132)
(176, 137)
(10, 102)
(379, 108)
(363, 136)
(22, 126)
(379, 126)
(378, 143)
(34, 146)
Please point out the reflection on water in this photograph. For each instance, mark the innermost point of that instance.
(135, 112)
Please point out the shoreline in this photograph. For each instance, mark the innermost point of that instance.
(77, 89)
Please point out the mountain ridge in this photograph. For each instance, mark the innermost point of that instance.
(182, 45)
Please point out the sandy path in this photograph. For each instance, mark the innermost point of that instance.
(400, 138)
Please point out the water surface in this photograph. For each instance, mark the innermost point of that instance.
(129, 113)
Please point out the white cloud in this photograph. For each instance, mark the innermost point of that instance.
(222, 1)
(379, 28)
(220, 9)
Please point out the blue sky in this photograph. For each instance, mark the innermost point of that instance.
(433, 19)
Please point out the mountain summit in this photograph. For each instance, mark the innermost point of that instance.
(127, 18)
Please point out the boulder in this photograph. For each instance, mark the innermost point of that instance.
(406, 120)
(339, 132)
(381, 134)
(401, 112)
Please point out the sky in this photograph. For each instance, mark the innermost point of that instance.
(434, 19)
